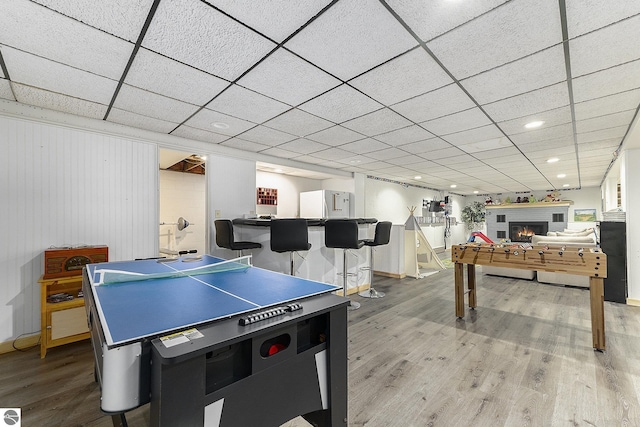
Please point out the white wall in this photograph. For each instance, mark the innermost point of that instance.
(388, 201)
(232, 193)
(66, 187)
(182, 195)
(630, 175)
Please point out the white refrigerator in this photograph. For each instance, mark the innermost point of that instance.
(325, 204)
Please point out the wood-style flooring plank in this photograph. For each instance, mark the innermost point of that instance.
(524, 357)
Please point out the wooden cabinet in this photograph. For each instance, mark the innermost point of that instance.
(65, 321)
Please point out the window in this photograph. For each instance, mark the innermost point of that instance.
(501, 218)
(501, 234)
(557, 217)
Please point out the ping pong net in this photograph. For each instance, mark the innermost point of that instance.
(107, 276)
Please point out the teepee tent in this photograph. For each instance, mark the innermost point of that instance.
(417, 250)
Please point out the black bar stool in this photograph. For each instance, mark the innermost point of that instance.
(225, 239)
(289, 235)
(381, 237)
(343, 234)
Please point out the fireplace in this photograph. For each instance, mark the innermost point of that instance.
(523, 230)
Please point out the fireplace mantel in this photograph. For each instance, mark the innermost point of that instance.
(566, 203)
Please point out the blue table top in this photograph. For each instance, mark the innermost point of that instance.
(133, 310)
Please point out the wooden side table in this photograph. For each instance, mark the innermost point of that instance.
(65, 321)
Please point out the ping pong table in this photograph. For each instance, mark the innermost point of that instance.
(216, 343)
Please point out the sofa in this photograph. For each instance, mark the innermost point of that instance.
(586, 238)
(579, 239)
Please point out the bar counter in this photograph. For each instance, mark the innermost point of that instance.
(320, 263)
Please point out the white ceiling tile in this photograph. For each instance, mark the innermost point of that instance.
(302, 146)
(153, 105)
(607, 105)
(598, 148)
(340, 104)
(336, 135)
(512, 31)
(605, 48)
(51, 35)
(140, 121)
(429, 19)
(548, 98)
(53, 101)
(549, 148)
(550, 118)
(297, 122)
(490, 144)
(483, 133)
(607, 82)
(205, 118)
(381, 121)
(359, 161)
(622, 118)
(441, 102)
(248, 105)
(426, 146)
(584, 16)
(122, 18)
(243, 145)
(332, 154)
(497, 153)
(276, 19)
(287, 78)
(167, 77)
(526, 74)
(279, 152)
(458, 160)
(266, 136)
(364, 146)
(444, 153)
(387, 153)
(5, 90)
(377, 165)
(409, 75)
(196, 34)
(26, 69)
(351, 37)
(560, 132)
(405, 135)
(599, 135)
(199, 134)
(464, 120)
(409, 160)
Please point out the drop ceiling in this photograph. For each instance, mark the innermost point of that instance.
(389, 88)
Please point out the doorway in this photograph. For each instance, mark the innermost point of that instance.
(182, 199)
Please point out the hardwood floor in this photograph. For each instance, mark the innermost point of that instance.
(523, 358)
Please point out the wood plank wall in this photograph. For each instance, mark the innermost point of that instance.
(65, 187)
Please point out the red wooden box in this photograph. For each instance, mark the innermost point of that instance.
(69, 261)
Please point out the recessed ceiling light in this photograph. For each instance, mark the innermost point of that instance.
(354, 161)
(453, 186)
(220, 125)
(562, 175)
(417, 177)
(278, 170)
(565, 185)
(475, 192)
(553, 160)
(532, 125)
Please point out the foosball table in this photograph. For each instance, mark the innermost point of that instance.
(590, 262)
